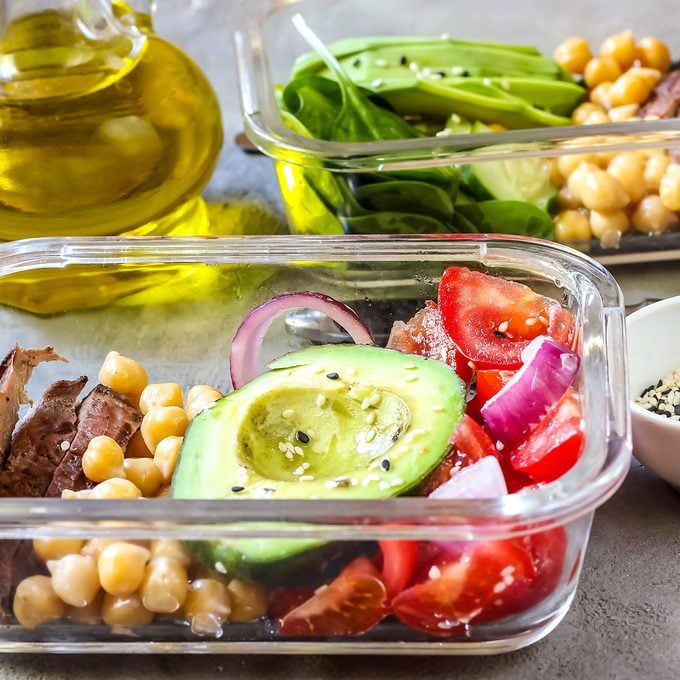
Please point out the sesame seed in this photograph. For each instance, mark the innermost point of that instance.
(65, 446)
(499, 445)
(378, 82)
(299, 451)
(311, 434)
(237, 489)
(307, 478)
(383, 486)
(530, 321)
(502, 327)
(471, 364)
(219, 566)
(371, 418)
(302, 437)
(380, 62)
(298, 470)
(374, 399)
(356, 63)
(321, 400)
(330, 484)
(403, 61)
(351, 371)
(426, 72)
(437, 408)
(332, 376)
(365, 404)
(287, 413)
(458, 71)
(543, 320)
(289, 455)
(447, 625)
(397, 482)
(371, 435)
(487, 82)
(306, 466)
(505, 84)
(385, 464)
(413, 66)
(282, 447)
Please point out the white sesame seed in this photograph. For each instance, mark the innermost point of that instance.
(499, 587)
(298, 470)
(311, 434)
(307, 478)
(374, 399)
(502, 327)
(282, 447)
(434, 572)
(505, 84)
(351, 371)
(365, 404)
(378, 82)
(426, 72)
(65, 446)
(499, 445)
(487, 82)
(457, 71)
(397, 482)
(543, 319)
(330, 484)
(306, 466)
(299, 451)
(289, 455)
(471, 364)
(380, 62)
(321, 400)
(219, 566)
(373, 477)
(371, 418)
(437, 408)
(371, 435)
(287, 413)
(383, 486)
(413, 66)
(530, 321)
(447, 625)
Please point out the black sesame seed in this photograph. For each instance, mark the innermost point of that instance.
(302, 437)
(498, 334)
(385, 464)
(440, 73)
(332, 376)
(356, 63)
(659, 384)
(403, 61)
(396, 435)
(236, 489)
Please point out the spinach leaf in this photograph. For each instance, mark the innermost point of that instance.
(508, 217)
(406, 196)
(315, 102)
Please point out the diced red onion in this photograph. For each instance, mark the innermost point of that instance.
(547, 371)
(244, 360)
(483, 479)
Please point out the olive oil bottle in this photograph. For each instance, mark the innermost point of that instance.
(105, 128)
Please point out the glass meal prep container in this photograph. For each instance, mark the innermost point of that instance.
(182, 304)
(411, 185)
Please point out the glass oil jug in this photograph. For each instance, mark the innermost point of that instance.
(105, 128)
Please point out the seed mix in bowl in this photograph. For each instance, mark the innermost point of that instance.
(664, 397)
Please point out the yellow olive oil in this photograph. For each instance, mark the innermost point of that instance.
(100, 136)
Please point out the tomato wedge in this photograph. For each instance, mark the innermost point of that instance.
(555, 445)
(489, 576)
(351, 604)
(488, 382)
(399, 563)
(486, 317)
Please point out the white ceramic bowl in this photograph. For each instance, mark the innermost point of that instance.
(653, 353)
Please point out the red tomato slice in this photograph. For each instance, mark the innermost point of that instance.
(488, 382)
(399, 563)
(424, 334)
(486, 317)
(457, 591)
(351, 604)
(555, 445)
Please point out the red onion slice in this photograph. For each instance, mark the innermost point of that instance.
(483, 479)
(244, 360)
(548, 370)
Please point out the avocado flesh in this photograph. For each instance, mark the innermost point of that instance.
(384, 405)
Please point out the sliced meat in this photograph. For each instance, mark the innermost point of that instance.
(102, 412)
(15, 372)
(17, 561)
(665, 100)
(40, 440)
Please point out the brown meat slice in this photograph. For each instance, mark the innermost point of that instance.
(102, 412)
(40, 440)
(665, 99)
(15, 372)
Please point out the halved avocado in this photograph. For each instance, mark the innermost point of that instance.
(332, 422)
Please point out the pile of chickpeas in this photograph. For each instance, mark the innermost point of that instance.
(130, 583)
(604, 195)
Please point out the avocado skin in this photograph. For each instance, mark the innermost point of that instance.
(227, 446)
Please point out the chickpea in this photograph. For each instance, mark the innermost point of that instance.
(55, 548)
(123, 375)
(103, 459)
(621, 48)
(652, 216)
(74, 579)
(207, 607)
(655, 169)
(577, 178)
(628, 168)
(125, 611)
(94, 547)
(115, 489)
(568, 164)
(35, 602)
(121, 568)
(196, 390)
(170, 548)
(566, 199)
(249, 601)
(162, 394)
(165, 586)
(167, 453)
(571, 225)
(601, 95)
(85, 493)
(554, 175)
(634, 86)
(584, 110)
(619, 114)
(496, 127)
(654, 53)
(601, 70)
(201, 402)
(573, 54)
(136, 447)
(89, 614)
(603, 222)
(602, 191)
(164, 492)
(162, 422)
(597, 118)
(144, 474)
(669, 189)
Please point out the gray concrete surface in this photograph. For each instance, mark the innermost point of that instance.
(625, 621)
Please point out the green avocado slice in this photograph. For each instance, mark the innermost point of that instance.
(330, 422)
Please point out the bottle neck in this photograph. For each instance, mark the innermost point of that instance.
(57, 48)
